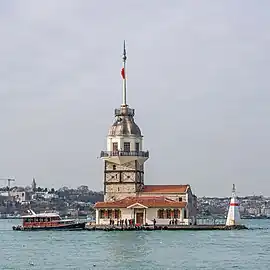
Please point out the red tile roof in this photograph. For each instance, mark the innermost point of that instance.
(151, 202)
(165, 188)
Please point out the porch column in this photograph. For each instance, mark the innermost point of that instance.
(97, 216)
(182, 214)
(144, 218)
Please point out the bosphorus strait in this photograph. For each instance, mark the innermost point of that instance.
(187, 250)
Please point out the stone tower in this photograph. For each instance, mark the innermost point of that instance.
(124, 158)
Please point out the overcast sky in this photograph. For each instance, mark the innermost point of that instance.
(198, 77)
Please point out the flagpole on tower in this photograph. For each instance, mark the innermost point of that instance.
(123, 73)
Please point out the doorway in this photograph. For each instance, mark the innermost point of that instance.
(139, 218)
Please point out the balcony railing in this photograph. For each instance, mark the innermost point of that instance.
(124, 153)
(124, 111)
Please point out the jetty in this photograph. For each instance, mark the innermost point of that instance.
(165, 228)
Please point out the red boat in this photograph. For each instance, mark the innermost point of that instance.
(48, 221)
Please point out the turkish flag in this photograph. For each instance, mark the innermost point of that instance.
(123, 73)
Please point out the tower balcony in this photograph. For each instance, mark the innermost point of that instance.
(121, 157)
(124, 111)
(124, 153)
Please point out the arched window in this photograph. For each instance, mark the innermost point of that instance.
(168, 213)
(115, 147)
(160, 213)
(176, 213)
(110, 213)
(126, 146)
(117, 214)
(102, 213)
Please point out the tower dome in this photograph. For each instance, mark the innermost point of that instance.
(124, 124)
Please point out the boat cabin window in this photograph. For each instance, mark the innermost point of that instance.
(28, 220)
(41, 219)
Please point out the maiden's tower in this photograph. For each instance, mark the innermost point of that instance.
(125, 194)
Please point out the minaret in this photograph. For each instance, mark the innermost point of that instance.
(124, 158)
(34, 185)
(233, 217)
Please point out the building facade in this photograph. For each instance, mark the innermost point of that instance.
(126, 197)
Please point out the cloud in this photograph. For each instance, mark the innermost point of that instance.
(197, 77)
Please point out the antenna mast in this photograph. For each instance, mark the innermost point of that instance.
(123, 73)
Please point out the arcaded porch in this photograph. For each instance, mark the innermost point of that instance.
(141, 215)
(142, 210)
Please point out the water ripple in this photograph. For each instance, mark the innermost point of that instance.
(159, 250)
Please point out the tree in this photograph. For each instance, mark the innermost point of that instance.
(83, 189)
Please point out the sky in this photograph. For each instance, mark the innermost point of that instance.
(198, 78)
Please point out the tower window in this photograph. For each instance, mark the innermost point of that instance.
(126, 146)
(180, 199)
(115, 146)
(137, 147)
(114, 167)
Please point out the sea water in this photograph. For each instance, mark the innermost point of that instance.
(140, 250)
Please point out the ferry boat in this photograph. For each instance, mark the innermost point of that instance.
(48, 221)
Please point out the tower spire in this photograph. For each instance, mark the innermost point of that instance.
(123, 73)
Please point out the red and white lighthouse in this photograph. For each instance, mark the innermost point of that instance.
(233, 217)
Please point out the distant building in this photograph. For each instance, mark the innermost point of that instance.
(125, 194)
(44, 195)
(20, 196)
(266, 212)
(4, 193)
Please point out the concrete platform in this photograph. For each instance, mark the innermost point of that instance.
(165, 228)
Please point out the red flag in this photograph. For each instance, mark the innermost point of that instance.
(123, 73)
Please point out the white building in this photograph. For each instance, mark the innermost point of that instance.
(125, 194)
(44, 195)
(19, 196)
